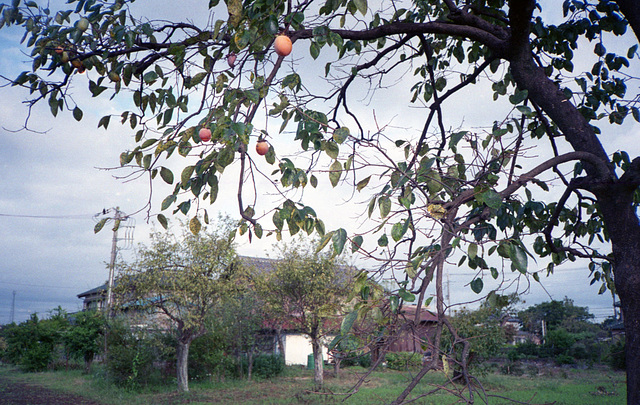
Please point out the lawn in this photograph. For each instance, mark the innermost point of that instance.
(598, 386)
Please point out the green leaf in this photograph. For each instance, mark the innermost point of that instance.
(195, 225)
(518, 97)
(472, 251)
(166, 203)
(455, 138)
(98, 227)
(384, 203)
(104, 121)
(186, 175)
(77, 113)
(167, 175)
(362, 183)
(383, 240)
(331, 149)
(323, 241)
(314, 50)
(339, 238)
(334, 173)
(341, 134)
(518, 258)
(348, 321)
(361, 5)
(163, 221)
(491, 198)
(406, 295)
(477, 285)
(257, 229)
(356, 243)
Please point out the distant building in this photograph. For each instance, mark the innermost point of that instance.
(94, 299)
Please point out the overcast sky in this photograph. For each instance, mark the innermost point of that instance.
(54, 181)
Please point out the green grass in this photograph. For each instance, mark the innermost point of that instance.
(560, 386)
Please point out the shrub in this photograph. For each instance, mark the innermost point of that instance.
(129, 357)
(268, 365)
(403, 361)
(617, 358)
(564, 359)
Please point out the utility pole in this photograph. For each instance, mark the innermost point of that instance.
(112, 263)
(13, 306)
(125, 224)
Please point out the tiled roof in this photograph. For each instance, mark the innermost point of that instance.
(100, 289)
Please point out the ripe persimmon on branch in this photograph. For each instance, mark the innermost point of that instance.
(530, 174)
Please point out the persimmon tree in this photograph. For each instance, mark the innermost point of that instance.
(534, 177)
(175, 284)
(308, 290)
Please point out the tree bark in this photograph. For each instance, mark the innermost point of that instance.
(318, 371)
(182, 370)
(614, 196)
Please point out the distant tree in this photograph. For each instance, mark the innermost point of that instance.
(308, 289)
(481, 330)
(32, 343)
(240, 318)
(182, 281)
(83, 338)
(556, 314)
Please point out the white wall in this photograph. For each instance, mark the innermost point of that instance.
(297, 348)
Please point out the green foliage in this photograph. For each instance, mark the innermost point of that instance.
(84, 338)
(403, 361)
(617, 358)
(32, 344)
(130, 356)
(268, 365)
(208, 357)
(557, 314)
(482, 328)
(178, 283)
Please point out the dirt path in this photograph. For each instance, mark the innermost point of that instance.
(18, 393)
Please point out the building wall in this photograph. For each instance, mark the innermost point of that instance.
(297, 349)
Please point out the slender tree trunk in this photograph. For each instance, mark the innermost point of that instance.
(250, 362)
(280, 342)
(318, 372)
(182, 370)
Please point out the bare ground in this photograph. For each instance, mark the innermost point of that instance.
(19, 393)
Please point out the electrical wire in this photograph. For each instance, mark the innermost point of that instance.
(88, 216)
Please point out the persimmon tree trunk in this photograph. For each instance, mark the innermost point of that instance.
(318, 369)
(182, 366)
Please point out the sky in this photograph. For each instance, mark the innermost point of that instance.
(58, 177)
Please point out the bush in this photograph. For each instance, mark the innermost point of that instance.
(617, 358)
(528, 349)
(129, 357)
(207, 358)
(403, 361)
(268, 365)
(564, 359)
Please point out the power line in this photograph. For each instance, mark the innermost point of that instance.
(87, 216)
(36, 285)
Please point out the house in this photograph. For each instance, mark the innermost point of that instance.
(94, 299)
(284, 339)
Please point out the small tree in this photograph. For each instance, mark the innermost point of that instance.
(181, 281)
(481, 328)
(308, 289)
(556, 314)
(83, 339)
(241, 318)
